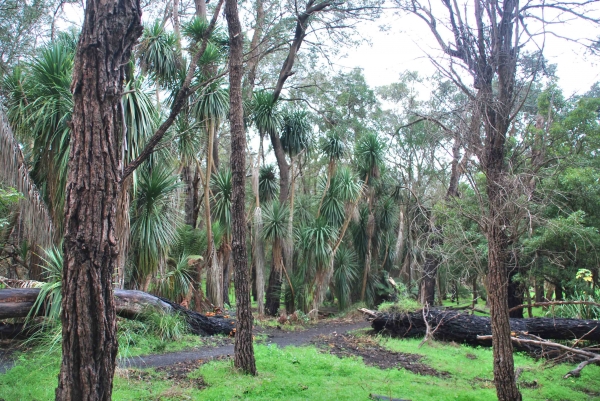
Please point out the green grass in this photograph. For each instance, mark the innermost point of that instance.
(306, 374)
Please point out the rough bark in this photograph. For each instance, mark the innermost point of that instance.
(191, 178)
(91, 246)
(244, 350)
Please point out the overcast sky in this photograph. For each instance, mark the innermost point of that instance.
(407, 42)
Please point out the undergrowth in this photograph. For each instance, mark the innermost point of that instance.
(305, 373)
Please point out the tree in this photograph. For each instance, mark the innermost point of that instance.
(94, 181)
(244, 351)
(90, 248)
(487, 44)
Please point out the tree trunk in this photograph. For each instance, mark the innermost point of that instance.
(90, 248)
(474, 290)
(367, 268)
(227, 262)
(515, 294)
(558, 292)
(273, 301)
(539, 290)
(430, 268)
(504, 374)
(191, 178)
(244, 351)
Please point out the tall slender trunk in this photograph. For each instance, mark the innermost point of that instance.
(275, 279)
(123, 232)
(274, 288)
(226, 263)
(91, 246)
(191, 180)
(258, 246)
(243, 348)
(515, 288)
(498, 280)
(400, 238)
(214, 272)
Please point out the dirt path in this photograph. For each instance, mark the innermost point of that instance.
(278, 337)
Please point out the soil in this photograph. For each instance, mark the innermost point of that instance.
(373, 354)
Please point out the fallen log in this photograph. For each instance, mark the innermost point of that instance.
(461, 327)
(17, 302)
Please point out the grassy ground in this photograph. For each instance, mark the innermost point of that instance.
(306, 373)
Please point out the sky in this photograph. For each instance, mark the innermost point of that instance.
(406, 43)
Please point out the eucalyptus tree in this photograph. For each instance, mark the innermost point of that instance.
(244, 351)
(486, 42)
(23, 25)
(96, 173)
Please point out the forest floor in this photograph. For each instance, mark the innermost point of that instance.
(223, 346)
(333, 359)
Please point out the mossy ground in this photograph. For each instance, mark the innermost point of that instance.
(305, 373)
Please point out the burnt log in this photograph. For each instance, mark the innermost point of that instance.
(464, 328)
(17, 302)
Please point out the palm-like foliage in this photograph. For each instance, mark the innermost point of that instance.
(317, 240)
(212, 105)
(50, 296)
(195, 29)
(332, 207)
(296, 132)
(275, 221)
(222, 188)
(333, 146)
(347, 186)
(345, 275)
(40, 109)
(158, 54)
(188, 141)
(268, 186)
(369, 155)
(386, 215)
(155, 220)
(265, 113)
(178, 280)
(141, 116)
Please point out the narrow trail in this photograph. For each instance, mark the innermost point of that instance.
(276, 337)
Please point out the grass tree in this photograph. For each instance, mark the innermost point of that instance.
(210, 109)
(222, 188)
(275, 229)
(154, 223)
(369, 157)
(295, 140)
